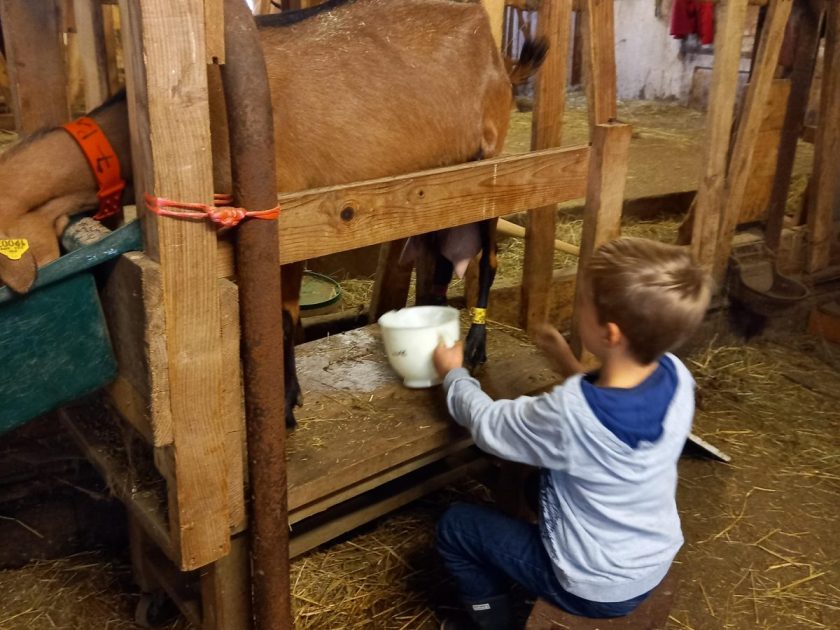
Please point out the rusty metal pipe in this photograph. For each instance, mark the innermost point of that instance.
(248, 101)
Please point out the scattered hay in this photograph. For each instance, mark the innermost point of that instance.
(87, 590)
(356, 292)
(387, 577)
(759, 531)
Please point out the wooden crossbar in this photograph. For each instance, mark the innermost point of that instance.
(328, 220)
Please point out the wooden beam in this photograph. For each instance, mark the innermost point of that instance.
(554, 23)
(766, 154)
(390, 289)
(5, 88)
(226, 590)
(169, 120)
(580, 5)
(826, 177)
(802, 73)
(496, 12)
(709, 200)
(110, 15)
(131, 298)
(35, 62)
(90, 38)
(214, 25)
(598, 32)
(604, 198)
(755, 105)
(327, 220)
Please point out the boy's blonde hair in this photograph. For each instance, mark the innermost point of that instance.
(655, 293)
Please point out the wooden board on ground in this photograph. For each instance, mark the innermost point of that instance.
(359, 425)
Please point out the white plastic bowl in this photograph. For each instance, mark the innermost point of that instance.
(411, 335)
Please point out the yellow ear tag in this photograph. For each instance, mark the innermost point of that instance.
(13, 248)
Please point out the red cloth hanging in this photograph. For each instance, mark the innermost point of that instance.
(706, 23)
(692, 16)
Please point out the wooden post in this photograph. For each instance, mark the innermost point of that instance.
(707, 206)
(90, 38)
(805, 56)
(110, 14)
(604, 199)
(554, 23)
(35, 60)
(5, 88)
(226, 590)
(598, 32)
(396, 294)
(577, 51)
(496, 11)
(826, 177)
(740, 164)
(214, 25)
(170, 137)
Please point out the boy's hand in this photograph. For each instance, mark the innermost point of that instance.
(554, 345)
(548, 339)
(446, 359)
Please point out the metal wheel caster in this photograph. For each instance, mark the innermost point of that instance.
(154, 610)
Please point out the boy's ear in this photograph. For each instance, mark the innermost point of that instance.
(614, 336)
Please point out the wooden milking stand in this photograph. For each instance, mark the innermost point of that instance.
(171, 441)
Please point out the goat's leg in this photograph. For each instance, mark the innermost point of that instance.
(292, 276)
(441, 279)
(475, 352)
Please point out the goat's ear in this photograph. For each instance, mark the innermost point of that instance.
(18, 273)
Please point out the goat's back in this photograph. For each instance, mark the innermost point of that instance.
(377, 88)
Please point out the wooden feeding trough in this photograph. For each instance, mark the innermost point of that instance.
(171, 440)
(47, 333)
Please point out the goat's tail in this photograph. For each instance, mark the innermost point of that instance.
(530, 59)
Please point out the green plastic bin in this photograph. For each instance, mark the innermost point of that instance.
(54, 344)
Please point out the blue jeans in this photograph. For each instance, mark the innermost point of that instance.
(485, 550)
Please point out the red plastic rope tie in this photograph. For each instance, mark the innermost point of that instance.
(224, 215)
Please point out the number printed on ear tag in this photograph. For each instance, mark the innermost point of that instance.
(13, 248)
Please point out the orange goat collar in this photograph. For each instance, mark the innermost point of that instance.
(103, 162)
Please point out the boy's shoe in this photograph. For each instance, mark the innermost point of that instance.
(492, 614)
(457, 623)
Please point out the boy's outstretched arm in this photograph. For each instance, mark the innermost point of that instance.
(525, 430)
(548, 339)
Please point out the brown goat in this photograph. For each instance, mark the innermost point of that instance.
(367, 89)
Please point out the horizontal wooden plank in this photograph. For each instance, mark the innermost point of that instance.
(578, 5)
(327, 220)
(385, 499)
(384, 477)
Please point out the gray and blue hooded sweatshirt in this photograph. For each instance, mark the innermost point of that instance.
(608, 513)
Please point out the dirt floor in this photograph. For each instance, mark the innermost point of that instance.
(760, 546)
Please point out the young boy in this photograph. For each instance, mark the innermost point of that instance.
(607, 443)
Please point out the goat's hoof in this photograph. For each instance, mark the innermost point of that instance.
(475, 354)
